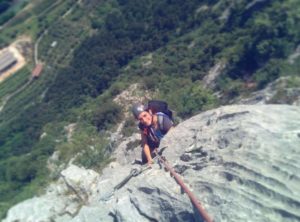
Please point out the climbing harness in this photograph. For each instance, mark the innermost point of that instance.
(192, 197)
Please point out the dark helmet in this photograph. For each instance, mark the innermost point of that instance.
(137, 109)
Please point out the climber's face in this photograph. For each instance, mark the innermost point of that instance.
(145, 118)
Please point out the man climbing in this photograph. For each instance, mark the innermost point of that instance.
(154, 123)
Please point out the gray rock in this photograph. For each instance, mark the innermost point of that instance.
(62, 200)
(277, 92)
(241, 162)
(44, 208)
(292, 58)
(246, 159)
(92, 214)
(81, 181)
(214, 72)
(128, 150)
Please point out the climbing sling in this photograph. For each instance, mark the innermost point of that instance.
(133, 173)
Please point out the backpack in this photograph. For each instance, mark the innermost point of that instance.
(157, 106)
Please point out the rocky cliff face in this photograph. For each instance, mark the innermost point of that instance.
(284, 90)
(242, 163)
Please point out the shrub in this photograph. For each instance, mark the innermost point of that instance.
(186, 97)
(150, 82)
(94, 156)
(21, 169)
(130, 127)
(108, 114)
(117, 88)
(195, 99)
(268, 73)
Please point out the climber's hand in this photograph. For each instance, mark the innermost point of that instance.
(150, 162)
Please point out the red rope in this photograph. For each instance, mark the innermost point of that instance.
(194, 200)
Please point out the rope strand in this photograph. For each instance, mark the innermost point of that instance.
(192, 197)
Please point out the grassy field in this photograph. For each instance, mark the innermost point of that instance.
(14, 9)
(14, 82)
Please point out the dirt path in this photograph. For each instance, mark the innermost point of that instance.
(4, 103)
(7, 98)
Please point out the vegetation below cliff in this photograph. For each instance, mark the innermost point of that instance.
(168, 47)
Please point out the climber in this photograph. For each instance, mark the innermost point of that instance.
(153, 124)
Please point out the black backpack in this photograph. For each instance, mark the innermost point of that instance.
(159, 106)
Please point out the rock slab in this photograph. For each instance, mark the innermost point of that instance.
(242, 163)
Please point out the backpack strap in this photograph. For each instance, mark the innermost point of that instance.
(160, 119)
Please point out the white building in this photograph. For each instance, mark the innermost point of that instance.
(7, 60)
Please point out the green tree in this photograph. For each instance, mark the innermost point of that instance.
(108, 114)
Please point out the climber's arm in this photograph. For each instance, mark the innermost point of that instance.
(146, 149)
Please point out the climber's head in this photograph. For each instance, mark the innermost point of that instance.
(141, 113)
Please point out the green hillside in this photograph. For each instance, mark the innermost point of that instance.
(92, 50)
